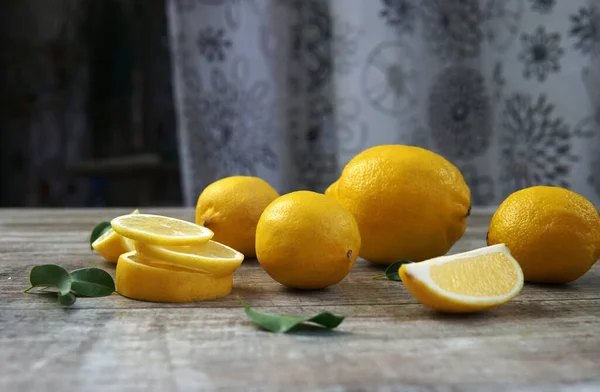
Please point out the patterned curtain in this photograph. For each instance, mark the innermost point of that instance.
(290, 90)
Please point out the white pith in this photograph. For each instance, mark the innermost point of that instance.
(420, 272)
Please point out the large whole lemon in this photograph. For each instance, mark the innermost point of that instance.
(306, 240)
(409, 203)
(230, 207)
(553, 233)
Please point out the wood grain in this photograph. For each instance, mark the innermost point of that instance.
(544, 340)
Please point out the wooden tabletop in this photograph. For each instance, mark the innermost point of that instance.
(547, 339)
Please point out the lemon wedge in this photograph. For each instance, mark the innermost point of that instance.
(210, 258)
(141, 278)
(466, 282)
(111, 245)
(160, 230)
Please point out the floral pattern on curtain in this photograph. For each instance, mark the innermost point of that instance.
(290, 90)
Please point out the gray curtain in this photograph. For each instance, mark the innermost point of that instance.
(290, 90)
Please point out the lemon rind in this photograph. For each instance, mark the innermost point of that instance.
(420, 272)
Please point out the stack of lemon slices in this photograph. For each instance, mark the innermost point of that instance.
(173, 260)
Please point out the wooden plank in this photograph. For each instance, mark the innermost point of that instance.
(255, 286)
(546, 339)
(201, 348)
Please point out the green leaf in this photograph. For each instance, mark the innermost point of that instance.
(283, 324)
(100, 229)
(92, 282)
(67, 299)
(391, 272)
(50, 275)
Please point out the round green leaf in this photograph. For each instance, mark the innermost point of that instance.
(92, 282)
(50, 275)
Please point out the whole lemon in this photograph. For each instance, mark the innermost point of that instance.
(553, 233)
(306, 240)
(231, 207)
(409, 203)
(331, 190)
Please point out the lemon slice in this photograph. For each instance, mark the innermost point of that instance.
(142, 278)
(111, 245)
(466, 282)
(210, 258)
(161, 230)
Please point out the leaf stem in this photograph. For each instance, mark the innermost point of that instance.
(241, 301)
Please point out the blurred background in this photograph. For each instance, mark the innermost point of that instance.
(145, 102)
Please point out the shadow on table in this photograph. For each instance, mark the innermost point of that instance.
(314, 331)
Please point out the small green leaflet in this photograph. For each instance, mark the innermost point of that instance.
(391, 272)
(92, 282)
(66, 300)
(50, 275)
(283, 324)
(100, 229)
(85, 282)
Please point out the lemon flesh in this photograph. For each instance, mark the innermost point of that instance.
(467, 282)
(160, 230)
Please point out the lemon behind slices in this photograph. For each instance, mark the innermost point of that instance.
(409, 203)
(553, 232)
(467, 282)
(307, 240)
(231, 208)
